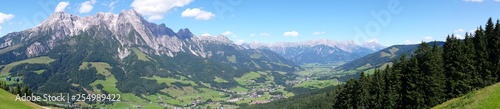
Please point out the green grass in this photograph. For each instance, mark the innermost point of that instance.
(247, 78)
(169, 81)
(317, 84)
(7, 101)
(239, 89)
(141, 55)
(101, 67)
(39, 71)
(5, 50)
(220, 80)
(486, 98)
(38, 60)
(255, 56)
(110, 81)
(231, 58)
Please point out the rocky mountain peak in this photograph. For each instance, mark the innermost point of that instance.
(184, 33)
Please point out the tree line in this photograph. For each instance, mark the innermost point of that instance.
(429, 76)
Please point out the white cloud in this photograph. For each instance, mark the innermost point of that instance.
(240, 41)
(459, 30)
(156, 8)
(251, 35)
(87, 6)
(112, 5)
(473, 0)
(227, 33)
(291, 34)
(264, 34)
(373, 40)
(198, 14)
(458, 36)
(5, 17)
(411, 42)
(473, 30)
(458, 33)
(205, 34)
(0, 27)
(428, 38)
(61, 6)
(497, 0)
(318, 33)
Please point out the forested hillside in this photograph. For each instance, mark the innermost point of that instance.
(425, 79)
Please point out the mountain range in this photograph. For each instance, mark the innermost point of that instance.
(123, 53)
(319, 51)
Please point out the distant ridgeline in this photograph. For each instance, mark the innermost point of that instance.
(424, 79)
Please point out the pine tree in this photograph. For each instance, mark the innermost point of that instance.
(482, 56)
(493, 48)
(412, 96)
(376, 89)
(496, 50)
(470, 63)
(362, 91)
(458, 81)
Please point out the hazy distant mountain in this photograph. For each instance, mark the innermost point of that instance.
(319, 51)
(382, 57)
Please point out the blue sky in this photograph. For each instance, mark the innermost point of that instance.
(387, 22)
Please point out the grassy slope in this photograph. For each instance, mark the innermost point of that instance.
(38, 60)
(486, 98)
(7, 101)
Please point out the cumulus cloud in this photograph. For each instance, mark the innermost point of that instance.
(373, 40)
(198, 14)
(458, 33)
(61, 6)
(5, 17)
(240, 41)
(264, 34)
(318, 33)
(156, 8)
(87, 6)
(474, 0)
(428, 38)
(459, 30)
(205, 34)
(0, 27)
(411, 42)
(251, 35)
(291, 34)
(227, 33)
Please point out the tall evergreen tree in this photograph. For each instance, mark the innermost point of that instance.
(412, 96)
(362, 96)
(482, 56)
(470, 63)
(496, 50)
(494, 47)
(456, 79)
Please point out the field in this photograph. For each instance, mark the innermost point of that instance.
(317, 84)
(7, 101)
(110, 82)
(141, 55)
(38, 60)
(486, 98)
